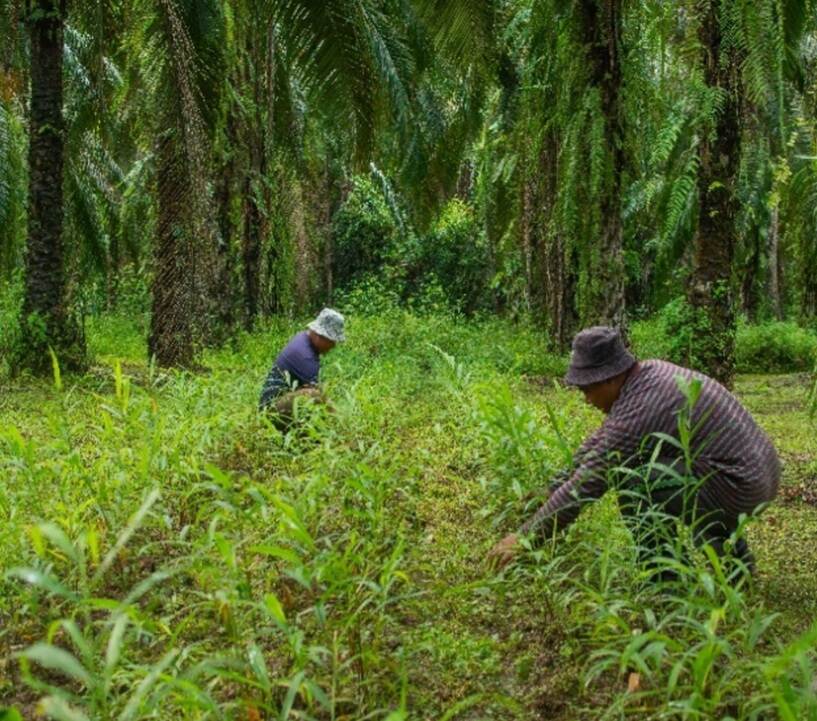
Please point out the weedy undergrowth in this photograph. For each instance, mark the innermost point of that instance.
(168, 553)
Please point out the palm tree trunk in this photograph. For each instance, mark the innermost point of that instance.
(710, 290)
(227, 261)
(750, 274)
(45, 308)
(527, 235)
(554, 266)
(171, 323)
(601, 25)
(774, 263)
(809, 303)
(251, 253)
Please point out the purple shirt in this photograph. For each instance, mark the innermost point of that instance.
(298, 363)
(300, 359)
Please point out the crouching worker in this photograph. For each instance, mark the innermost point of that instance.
(732, 467)
(294, 375)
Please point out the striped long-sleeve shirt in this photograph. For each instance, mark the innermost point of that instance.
(733, 458)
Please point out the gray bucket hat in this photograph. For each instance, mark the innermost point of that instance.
(598, 355)
(329, 324)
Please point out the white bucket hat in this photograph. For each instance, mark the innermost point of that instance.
(329, 324)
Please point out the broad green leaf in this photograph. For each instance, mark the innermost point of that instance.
(60, 710)
(275, 608)
(42, 580)
(55, 369)
(292, 691)
(285, 554)
(114, 648)
(57, 659)
(57, 536)
(259, 667)
(82, 644)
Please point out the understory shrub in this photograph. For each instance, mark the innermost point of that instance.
(455, 254)
(775, 348)
(672, 334)
(772, 347)
(363, 231)
(381, 261)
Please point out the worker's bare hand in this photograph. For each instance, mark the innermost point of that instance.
(504, 552)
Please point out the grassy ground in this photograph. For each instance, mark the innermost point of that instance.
(197, 564)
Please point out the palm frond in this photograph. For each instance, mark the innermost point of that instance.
(354, 58)
(464, 29)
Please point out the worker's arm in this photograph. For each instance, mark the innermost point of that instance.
(613, 444)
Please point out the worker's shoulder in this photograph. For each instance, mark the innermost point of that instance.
(662, 366)
(655, 371)
(653, 389)
(668, 381)
(299, 345)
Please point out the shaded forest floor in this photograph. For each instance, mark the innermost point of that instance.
(338, 572)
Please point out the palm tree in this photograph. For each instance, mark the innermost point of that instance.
(351, 61)
(569, 139)
(46, 315)
(747, 49)
(710, 290)
(183, 68)
(601, 34)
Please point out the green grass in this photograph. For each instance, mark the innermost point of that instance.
(338, 573)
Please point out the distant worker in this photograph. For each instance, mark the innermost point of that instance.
(733, 470)
(296, 369)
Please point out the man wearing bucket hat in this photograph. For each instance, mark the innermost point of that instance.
(296, 369)
(732, 469)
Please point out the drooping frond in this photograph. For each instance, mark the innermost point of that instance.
(464, 29)
(354, 58)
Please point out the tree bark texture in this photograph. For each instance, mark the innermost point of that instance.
(552, 265)
(251, 250)
(225, 182)
(750, 272)
(48, 321)
(256, 76)
(601, 27)
(773, 252)
(808, 303)
(172, 319)
(710, 291)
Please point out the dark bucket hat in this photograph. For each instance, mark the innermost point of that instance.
(598, 355)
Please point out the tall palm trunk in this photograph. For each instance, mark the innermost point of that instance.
(773, 251)
(710, 290)
(45, 308)
(171, 323)
(808, 278)
(750, 272)
(601, 26)
(553, 261)
(256, 75)
(186, 276)
(251, 250)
